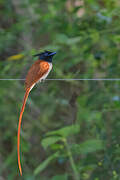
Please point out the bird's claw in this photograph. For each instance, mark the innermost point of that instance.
(43, 80)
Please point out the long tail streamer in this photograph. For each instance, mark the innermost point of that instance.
(19, 127)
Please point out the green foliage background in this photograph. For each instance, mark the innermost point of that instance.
(70, 129)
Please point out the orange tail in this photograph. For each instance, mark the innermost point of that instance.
(19, 126)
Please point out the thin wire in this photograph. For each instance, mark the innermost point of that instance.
(12, 79)
(84, 79)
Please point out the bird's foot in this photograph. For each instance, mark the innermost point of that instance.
(42, 80)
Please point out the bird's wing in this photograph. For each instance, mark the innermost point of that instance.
(36, 72)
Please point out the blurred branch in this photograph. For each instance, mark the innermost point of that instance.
(26, 38)
(74, 168)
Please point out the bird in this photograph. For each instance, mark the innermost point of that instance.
(37, 72)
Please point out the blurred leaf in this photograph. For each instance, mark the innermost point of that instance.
(15, 57)
(66, 131)
(88, 146)
(64, 39)
(116, 38)
(60, 177)
(50, 140)
(57, 146)
(94, 35)
(45, 163)
(61, 38)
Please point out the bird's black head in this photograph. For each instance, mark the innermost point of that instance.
(46, 56)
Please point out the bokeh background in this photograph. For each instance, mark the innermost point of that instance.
(70, 129)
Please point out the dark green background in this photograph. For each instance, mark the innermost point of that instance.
(70, 129)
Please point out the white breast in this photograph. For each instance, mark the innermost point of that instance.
(45, 75)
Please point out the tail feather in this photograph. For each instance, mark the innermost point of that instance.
(19, 127)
